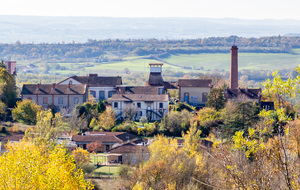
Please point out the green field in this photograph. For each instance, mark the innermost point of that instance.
(205, 62)
(252, 61)
(180, 62)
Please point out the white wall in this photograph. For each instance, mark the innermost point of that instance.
(154, 106)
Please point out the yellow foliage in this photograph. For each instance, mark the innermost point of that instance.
(81, 156)
(107, 119)
(163, 148)
(28, 166)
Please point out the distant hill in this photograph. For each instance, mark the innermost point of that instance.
(79, 29)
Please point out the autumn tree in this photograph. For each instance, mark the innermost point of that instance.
(95, 147)
(81, 156)
(26, 111)
(175, 122)
(279, 90)
(107, 119)
(30, 166)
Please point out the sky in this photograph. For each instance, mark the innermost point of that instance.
(243, 9)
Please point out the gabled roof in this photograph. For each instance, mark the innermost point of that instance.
(14, 137)
(45, 89)
(128, 148)
(94, 80)
(104, 137)
(194, 82)
(242, 93)
(140, 97)
(137, 90)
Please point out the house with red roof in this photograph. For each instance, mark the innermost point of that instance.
(100, 87)
(59, 95)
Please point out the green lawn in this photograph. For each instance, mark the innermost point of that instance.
(106, 170)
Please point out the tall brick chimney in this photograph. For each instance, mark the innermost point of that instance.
(234, 71)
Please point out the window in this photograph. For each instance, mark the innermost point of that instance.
(186, 97)
(111, 93)
(204, 97)
(138, 105)
(60, 100)
(101, 95)
(93, 93)
(161, 105)
(141, 113)
(45, 100)
(76, 100)
(116, 105)
(148, 106)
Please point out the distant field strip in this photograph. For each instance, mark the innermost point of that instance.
(252, 61)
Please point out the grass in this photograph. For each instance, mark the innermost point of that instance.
(93, 158)
(252, 61)
(106, 170)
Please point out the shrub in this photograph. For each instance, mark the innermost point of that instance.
(26, 112)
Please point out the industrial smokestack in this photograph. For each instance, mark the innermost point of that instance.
(234, 72)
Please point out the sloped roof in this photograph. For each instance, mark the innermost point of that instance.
(242, 92)
(104, 137)
(155, 79)
(14, 137)
(128, 148)
(140, 97)
(137, 90)
(94, 80)
(194, 82)
(171, 85)
(44, 89)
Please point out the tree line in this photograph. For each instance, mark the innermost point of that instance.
(96, 50)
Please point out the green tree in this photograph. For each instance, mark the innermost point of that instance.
(26, 112)
(7, 88)
(239, 117)
(100, 106)
(215, 99)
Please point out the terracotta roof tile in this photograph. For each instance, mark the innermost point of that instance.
(95, 80)
(15, 137)
(194, 82)
(128, 148)
(137, 90)
(104, 137)
(48, 89)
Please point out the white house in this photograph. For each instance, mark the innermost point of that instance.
(101, 87)
(152, 106)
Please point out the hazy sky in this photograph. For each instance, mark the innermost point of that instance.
(246, 9)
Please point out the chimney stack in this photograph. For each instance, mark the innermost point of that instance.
(234, 72)
(53, 85)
